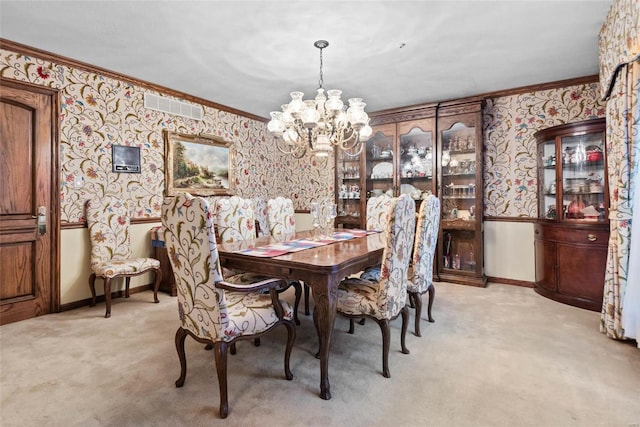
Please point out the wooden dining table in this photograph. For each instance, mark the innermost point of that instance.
(322, 268)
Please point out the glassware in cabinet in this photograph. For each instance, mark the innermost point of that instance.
(349, 190)
(380, 155)
(460, 189)
(417, 154)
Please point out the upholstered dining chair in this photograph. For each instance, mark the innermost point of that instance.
(282, 223)
(235, 221)
(421, 268)
(281, 217)
(211, 310)
(260, 211)
(385, 299)
(377, 217)
(377, 211)
(108, 223)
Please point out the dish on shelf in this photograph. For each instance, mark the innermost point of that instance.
(411, 191)
(382, 170)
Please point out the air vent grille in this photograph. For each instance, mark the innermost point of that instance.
(171, 106)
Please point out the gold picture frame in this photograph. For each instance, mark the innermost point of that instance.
(197, 164)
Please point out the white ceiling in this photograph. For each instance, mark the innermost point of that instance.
(250, 54)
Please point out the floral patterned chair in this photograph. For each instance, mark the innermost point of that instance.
(377, 217)
(385, 299)
(421, 268)
(214, 311)
(260, 210)
(281, 217)
(377, 212)
(108, 222)
(235, 221)
(282, 224)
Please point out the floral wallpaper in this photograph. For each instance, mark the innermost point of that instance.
(98, 112)
(510, 174)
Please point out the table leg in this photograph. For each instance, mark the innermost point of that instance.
(324, 314)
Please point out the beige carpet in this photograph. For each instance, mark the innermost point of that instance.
(499, 356)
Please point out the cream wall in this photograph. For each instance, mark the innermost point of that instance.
(74, 263)
(509, 251)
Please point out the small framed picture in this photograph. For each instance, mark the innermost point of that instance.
(125, 159)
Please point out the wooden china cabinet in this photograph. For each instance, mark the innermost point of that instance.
(401, 154)
(460, 189)
(572, 231)
(400, 157)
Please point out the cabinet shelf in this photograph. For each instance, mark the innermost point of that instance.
(416, 178)
(459, 174)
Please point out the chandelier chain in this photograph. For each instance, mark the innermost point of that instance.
(321, 81)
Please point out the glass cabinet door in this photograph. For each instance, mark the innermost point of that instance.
(547, 204)
(417, 160)
(459, 201)
(582, 174)
(380, 170)
(348, 190)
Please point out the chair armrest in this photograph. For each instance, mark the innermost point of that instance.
(253, 287)
(271, 284)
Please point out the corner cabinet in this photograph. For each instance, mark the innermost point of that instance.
(572, 231)
(460, 159)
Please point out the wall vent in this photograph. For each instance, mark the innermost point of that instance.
(171, 106)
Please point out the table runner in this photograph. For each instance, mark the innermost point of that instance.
(276, 249)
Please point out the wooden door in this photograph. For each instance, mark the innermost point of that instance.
(29, 212)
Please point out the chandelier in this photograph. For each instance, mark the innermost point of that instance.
(320, 124)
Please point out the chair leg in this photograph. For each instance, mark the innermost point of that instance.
(156, 284)
(361, 322)
(351, 326)
(384, 327)
(92, 286)
(232, 348)
(126, 287)
(220, 349)
(107, 296)
(411, 302)
(432, 294)
(181, 334)
(298, 287)
(256, 342)
(405, 326)
(291, 337)
(306, 299)
(418, 304)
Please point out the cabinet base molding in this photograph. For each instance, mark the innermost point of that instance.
(587, 304)
(513, 282)
(459, 279)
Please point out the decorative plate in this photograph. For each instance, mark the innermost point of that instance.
(382, 170)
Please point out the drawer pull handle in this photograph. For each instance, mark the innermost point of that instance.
(592, 237)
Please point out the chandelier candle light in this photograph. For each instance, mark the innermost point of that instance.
(320, 124)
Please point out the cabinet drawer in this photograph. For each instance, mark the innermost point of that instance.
(596, 236)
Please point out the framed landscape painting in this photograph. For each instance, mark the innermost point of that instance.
(196, 164)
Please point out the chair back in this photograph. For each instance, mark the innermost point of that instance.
(108, 223)
(260, 211)
(235, 219)
(280, 215)
(191, 245)
(399, 233)
(377, 212)
(425, 245)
